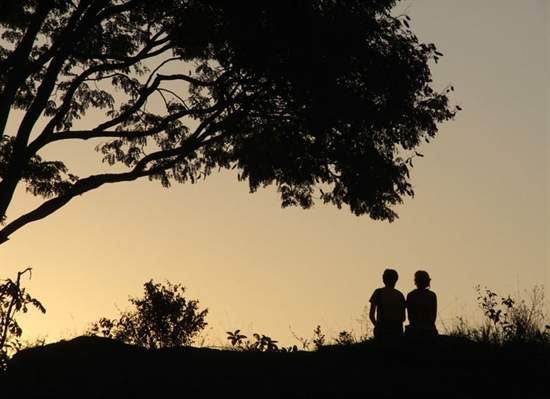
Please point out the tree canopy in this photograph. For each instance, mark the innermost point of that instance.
(325, 99)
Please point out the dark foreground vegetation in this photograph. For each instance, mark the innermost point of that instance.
(146, 353)
(451, 367)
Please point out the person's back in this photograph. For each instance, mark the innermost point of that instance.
(387, 311)
(421, 308)
(391, 305)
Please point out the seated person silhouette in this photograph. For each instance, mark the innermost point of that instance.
(421, 308)
(387, 309)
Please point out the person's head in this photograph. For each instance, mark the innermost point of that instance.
(390, 277)
(422, 279)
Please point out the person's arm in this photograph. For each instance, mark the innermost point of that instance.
(403, 307)
(373, 304)
(407, 308)
(434, 308)
(372, 313)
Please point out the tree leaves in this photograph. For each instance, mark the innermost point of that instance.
(295, 94)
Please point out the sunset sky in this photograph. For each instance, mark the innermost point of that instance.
(480, 215)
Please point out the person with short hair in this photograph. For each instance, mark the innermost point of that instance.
(387, 308)
(421, 308)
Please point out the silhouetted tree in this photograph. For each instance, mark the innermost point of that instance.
(13, 299)
(162, 318)
(320, 98)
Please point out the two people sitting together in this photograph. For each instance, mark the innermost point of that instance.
(387, 310)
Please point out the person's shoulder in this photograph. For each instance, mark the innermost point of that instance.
(414, 293)
(374, 296)
(397, 292)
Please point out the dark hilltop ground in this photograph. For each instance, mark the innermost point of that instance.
(93, 367)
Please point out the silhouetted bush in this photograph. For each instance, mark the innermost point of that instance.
(163, 318)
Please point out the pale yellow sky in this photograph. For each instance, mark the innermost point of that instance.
(480, 214)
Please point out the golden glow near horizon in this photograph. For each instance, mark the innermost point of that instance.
(480, 215)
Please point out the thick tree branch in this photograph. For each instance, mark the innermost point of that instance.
(98, 132)
(17, 63)
(92, 182)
